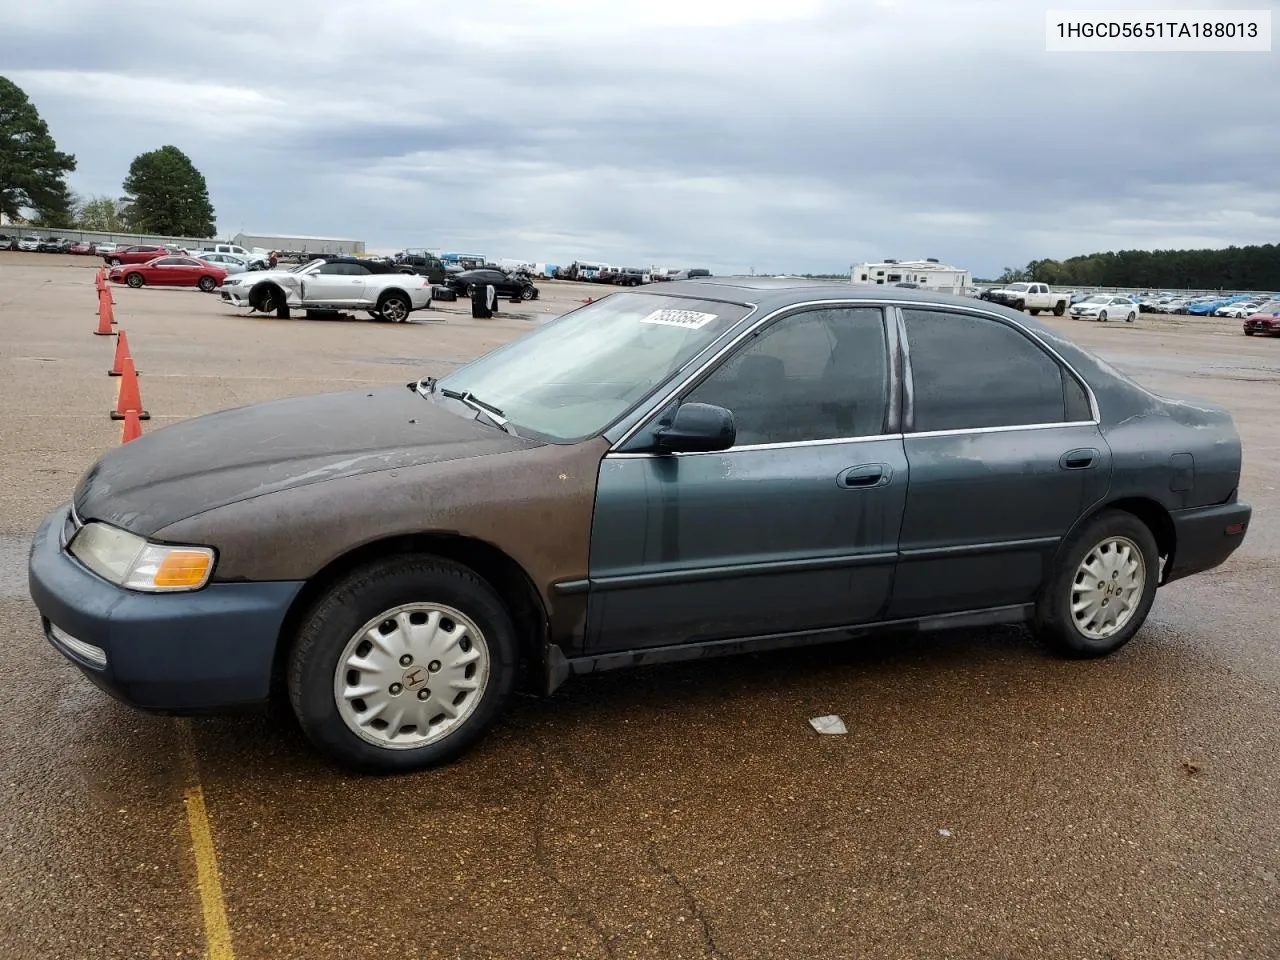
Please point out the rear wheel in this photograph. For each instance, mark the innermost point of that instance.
(115, 261)
(402, 665)
(1102, 587)
(134, 280)
(395, 307)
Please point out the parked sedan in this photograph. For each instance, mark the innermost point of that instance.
(29, 244)
(229, 262)
(504, 285)
(651, 477)
(1265, 320)
(170, 272)
(1104, 306)
(138, 253)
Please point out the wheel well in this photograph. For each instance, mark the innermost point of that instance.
(502, 573)
(386, 293)
(1157, 520)
(255, 295)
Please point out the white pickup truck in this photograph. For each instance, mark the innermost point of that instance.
(1031, 296)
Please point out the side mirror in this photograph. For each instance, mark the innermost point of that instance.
(697, 428)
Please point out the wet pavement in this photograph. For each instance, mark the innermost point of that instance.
(989, 800)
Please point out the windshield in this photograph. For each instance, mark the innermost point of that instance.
(1271, 306)
(573, 377)
(1096, 298)
(305, 266)
(1020, 287)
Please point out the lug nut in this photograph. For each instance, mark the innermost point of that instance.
(395, 689)
(434, 666)
(406, 660)
(424, 694)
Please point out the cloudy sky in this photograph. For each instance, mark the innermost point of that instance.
(779, 135)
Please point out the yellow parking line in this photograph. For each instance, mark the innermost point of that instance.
(217, 932)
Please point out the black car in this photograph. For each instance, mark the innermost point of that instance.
(514, 288)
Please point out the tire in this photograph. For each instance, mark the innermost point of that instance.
(1035, 312)
(1019, 305)
(1248, 333)
(207, 284)
(115, 261)
(395, 307)
(134, 280)
(528, 293)
(1130, 318)
(1055, 622)
(1102, 316)
(1060, 309)
(365, 600)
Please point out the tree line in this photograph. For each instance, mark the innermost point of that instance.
(163, 192)
(1235, 268)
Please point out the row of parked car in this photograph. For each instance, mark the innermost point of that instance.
(45, 245)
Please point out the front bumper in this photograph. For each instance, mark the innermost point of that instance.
(236, 295)
(1204, 537)
(208, 650)
(1256, 327)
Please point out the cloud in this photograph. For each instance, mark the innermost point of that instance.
(804, 135)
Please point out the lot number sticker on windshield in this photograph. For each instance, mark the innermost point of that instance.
(679, 318)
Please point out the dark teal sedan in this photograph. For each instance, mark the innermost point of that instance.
(699, 469)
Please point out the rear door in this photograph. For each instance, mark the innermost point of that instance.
(794, 528)
(1004, 453)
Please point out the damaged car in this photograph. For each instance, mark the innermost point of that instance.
(703, 468)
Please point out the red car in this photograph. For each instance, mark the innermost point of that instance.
(81, 248)
(141, 253)
(170, 272)
(1266, 320)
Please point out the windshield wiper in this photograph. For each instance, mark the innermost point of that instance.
(491, 412)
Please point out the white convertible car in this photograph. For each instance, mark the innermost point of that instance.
(338, 283)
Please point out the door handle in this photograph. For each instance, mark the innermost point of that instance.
(1080, 459)
(865, 475)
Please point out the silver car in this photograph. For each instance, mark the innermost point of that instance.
(227, 261)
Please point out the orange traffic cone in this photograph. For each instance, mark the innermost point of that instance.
(129, 398)
(106, 315)
(100, 280)
(132, 426)
(122, 351)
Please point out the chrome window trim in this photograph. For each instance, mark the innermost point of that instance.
(999, 318)
(786, 445)
(656, 408)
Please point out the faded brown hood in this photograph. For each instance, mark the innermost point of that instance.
(206, 462)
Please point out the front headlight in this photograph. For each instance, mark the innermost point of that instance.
(131, 562)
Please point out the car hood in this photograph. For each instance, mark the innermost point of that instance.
(211, 461)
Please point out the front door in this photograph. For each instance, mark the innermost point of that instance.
(336, 283)
(1004, 455)
(794, 528)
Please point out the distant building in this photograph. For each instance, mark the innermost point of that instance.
(928, 274)
(286, 244)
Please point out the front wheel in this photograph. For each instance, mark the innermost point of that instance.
(402, 665)
(1019, 305)
(207, 284)
(1130, 317)
(1248, 333)
(134, 280)
(1035, 311)
(528, 293)
(1102, 317)
(1060, 309)
(1101, 588)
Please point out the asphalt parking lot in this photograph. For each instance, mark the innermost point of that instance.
(988, 801)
